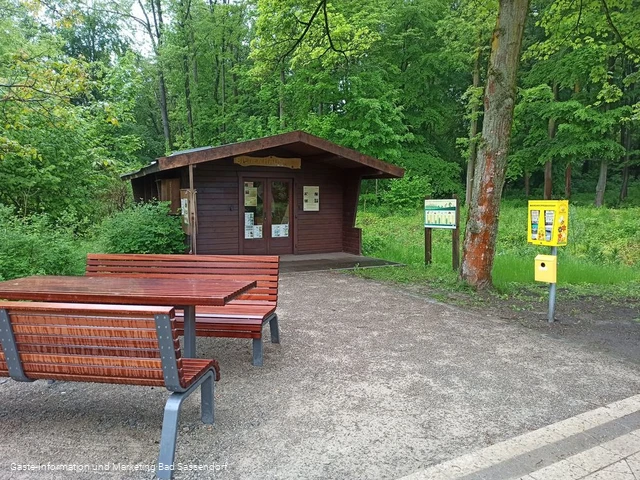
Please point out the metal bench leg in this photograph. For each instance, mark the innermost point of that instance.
(207, 400)
(189, 331)
(169, 435)
(257, 352)
(171, 421)
(275, 329)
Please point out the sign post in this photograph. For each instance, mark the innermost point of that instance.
(442, 214)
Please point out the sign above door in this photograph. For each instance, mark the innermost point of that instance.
(270, 161)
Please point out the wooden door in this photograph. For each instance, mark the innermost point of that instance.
(267, 216)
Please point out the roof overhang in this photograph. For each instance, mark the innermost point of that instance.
(295, 144)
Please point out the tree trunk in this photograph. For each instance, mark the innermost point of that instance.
(281, 104)
(164, 112)
(567, 181)
(624, 188)
(473, 129)
(187, 97)
(164, 108)
(548, 180)
(527, 186)
(625, 133)
(491, 164)
(223, 70)
(185, 26)
(602, 183)
(548, 166)
(604, 163)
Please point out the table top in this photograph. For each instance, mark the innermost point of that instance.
(124, 290)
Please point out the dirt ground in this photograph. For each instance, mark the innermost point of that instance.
(595, 321)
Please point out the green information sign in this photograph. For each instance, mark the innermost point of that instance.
(440, 213)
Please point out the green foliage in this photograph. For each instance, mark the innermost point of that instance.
(36, 245)
(142, 228)
(65, 125)
(406, 194)
(443, 176)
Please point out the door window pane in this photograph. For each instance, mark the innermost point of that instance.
(279, 209)
(253, 209)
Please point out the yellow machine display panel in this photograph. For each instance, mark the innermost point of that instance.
(548, 222)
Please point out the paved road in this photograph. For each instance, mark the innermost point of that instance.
(602, 444)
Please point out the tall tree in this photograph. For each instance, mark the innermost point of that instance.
(491, 164)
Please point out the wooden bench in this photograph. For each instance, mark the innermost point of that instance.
(133, 345)
(243, 317)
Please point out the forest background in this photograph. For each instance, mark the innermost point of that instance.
(92, 90)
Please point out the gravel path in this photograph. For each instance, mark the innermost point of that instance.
(370, 381)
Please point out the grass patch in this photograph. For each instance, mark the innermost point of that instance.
(603, 255)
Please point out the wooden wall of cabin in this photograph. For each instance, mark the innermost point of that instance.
(218, 195)
(144, 189)
(351, 236)
(319, 232)
(220, 207)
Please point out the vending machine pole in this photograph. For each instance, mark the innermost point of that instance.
(552, 292)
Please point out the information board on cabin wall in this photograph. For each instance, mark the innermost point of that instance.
(311, 199)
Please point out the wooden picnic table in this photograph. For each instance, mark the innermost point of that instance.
(183, 293)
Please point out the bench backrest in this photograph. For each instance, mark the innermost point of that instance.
(91, 343)
(264, 269)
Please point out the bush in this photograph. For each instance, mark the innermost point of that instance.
(36, 245)
(142, 228)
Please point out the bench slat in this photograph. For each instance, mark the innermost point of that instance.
(65, 320)
(69, 377)
(227, 324)
(91, 360)
(221, 333)
(33, 308)
(177, 269)
(84, 332)
(97, 371)
(174, 257)
(89, 341)
(233, 311)
(93, 350)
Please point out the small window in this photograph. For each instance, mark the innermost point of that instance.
(169, 191)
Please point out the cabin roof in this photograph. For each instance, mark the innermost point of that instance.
(297, 144)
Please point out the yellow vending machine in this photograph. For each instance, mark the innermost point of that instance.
(548, 222)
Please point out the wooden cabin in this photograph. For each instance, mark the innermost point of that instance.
(292, 193)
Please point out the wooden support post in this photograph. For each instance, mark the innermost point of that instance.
(427, 246)
(192, 213)
(427, 243)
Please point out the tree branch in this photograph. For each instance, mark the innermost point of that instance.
(615, 29)
(328, 32)
(577, 21)
(304, 33)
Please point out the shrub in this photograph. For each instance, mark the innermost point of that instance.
(142, 228)
(406, 194)
(36, 245)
